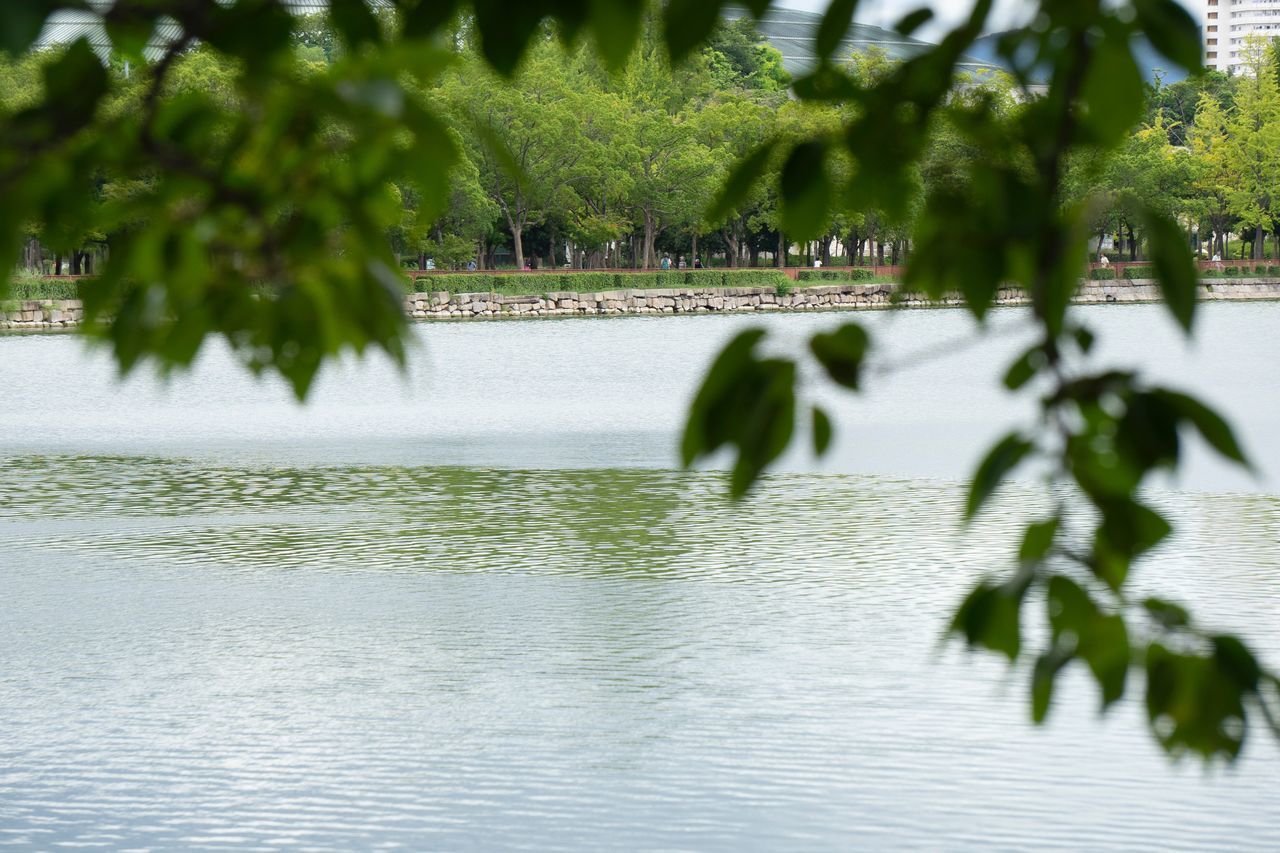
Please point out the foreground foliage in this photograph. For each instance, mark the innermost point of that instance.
(297, 182)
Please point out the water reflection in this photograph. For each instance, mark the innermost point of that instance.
(221, 655)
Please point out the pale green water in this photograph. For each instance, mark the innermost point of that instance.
(474, 610)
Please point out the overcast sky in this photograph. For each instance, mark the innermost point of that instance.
(887, 12)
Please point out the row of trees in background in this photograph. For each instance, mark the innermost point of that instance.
(571, 165)
(1208, 155)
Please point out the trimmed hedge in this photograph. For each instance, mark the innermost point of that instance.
(1102, 275)
(1135, 273)
(24, 287)
(587, 282)
(836, 275)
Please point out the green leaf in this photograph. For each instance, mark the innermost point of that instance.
(21, 23)
(1113, 91)
(76, 82)
(1100, 639)
(427, 16)
(999, 462)
(688, 23)
(1023, 370)
(747, 403)
(505, 29)
(130, 28)
(740, 182)
(1174, 267)
(1211, 426)
(1127, 531)
(835, 23)
(821, 431)
(842, 353)
(1172, 31)
(806, 191)
(1236, 661)
(1167, 613)
(1047, 667)
(616, 25)
(354, 22)
(1038, 539)
(913, 21)
(989, 618)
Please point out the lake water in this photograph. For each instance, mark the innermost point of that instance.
(473, 606)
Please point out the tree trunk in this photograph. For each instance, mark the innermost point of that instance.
(57, 264)
(88, 263)
(896, 250)
(1258, 243)
(780, 259)
(753, 256)
(517, 245)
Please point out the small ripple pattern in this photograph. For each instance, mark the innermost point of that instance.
(214, 657)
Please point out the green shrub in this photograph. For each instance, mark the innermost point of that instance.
(857, 274)
(25, 285)
(1231, 271)
(1134, 273)
(1102, 275)
(757, 277)
(1273, 271)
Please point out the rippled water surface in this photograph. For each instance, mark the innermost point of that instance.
(473, 607)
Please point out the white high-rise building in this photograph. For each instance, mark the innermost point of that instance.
(1228, 23)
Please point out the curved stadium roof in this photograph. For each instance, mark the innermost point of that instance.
(790, 31)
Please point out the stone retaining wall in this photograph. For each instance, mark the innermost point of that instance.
(426, 306)
(41, 314)
(65, 313)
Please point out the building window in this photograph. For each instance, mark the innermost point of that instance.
(1212, 41)
(1213, 54)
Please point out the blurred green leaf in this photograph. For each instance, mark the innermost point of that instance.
(914, 20)
(835, 23)
(616, 26)
(990, 618)
(1113, 91)
(821, 432)
(687, 23)
(1167, 613)
(1024, 368)
(741, 180)
(747, 403)
(354, 22)
(1172, 31)
(842, 353)
(1038, 540)
(999, 462)
(1211, 426)
(1043, 676)
(806, 191)
(1174, 267)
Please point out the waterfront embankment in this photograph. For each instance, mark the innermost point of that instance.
(49, 314)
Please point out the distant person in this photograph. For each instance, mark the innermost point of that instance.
(471, 266)
(697, 263)
(680, 263)
(431, 263)
(817, 263)
(1105, 261)
(1217, 258)
(666, 262)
